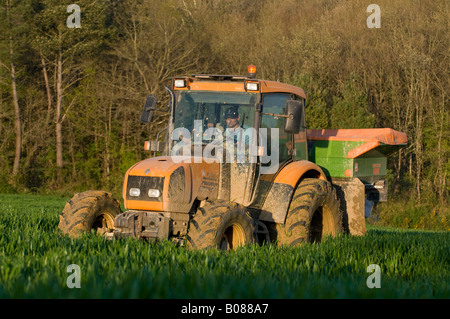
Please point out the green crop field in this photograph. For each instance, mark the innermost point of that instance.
(34, 260)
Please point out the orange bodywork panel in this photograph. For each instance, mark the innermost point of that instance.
(292, 172)
(189, 180)
(217, 86)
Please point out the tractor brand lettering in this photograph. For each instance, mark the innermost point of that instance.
(207, 186)
(211, 177)
(209, 182)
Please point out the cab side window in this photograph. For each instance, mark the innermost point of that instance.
(275, 103)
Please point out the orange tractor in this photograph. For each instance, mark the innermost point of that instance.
(234, 170)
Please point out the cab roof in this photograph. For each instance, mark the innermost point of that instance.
(235, 83)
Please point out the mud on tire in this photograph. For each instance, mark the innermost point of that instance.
(220, 224)
(313, 213)
(90, 210)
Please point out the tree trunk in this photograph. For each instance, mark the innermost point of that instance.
(59, 143)
(47, 88)
(17, 120)
(107, 142)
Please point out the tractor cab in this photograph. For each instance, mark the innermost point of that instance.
(252, 127)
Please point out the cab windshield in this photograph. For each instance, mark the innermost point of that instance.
(197, 111)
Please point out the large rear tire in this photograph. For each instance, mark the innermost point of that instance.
(90, 210)
(313, 213)
(220, 224)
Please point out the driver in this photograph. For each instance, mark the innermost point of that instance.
(232, 118)
(235, 133)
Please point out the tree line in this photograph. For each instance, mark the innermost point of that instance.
(70, 98)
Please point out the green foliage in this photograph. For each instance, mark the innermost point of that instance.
(402, 213)
(34, 258)
(52, 34)
(437, 137)
(317, 114)
(350, 109)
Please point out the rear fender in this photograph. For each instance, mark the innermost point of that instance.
(279, 197)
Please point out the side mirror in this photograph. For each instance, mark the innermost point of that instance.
(149, 109)
(293, 119)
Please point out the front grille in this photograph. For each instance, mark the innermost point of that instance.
(144, 183)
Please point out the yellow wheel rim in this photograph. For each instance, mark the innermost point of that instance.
(104, 223)
(232, 238)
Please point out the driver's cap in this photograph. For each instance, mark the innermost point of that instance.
(232, 112)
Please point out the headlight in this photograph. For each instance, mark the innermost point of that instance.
(145, 188)
(153, 193)
(135, 192)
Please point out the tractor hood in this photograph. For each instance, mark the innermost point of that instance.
(155, 166)
(170, 184)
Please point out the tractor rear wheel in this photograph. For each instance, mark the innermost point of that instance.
(220, 224)
(313, 213)
(90, 210)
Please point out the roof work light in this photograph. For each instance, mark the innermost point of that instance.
(252, 86)
(180, 83)
(251, 71)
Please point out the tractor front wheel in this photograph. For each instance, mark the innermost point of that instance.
(223, 225)
(90, 210)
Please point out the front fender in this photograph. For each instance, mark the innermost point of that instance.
(279, 197)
